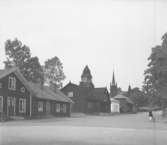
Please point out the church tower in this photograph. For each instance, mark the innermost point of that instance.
(129, 91)
(113, 87)
(86, 78)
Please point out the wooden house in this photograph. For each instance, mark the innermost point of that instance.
(46, 102)
(19, 98)
(88, 100)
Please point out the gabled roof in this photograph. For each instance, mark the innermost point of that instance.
(15, 70)
(114, 100)
(6, 72)
(44, 92)
(70, 84)
(100, 93)
(35, 89)
(96, 94)
(120, 96)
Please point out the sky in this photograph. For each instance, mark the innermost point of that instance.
(106, 35)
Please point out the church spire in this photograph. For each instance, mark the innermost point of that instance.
(113, 87)
(113, 80)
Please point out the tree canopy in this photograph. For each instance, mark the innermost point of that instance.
(53, 72)
(19, 55)
(155, 82)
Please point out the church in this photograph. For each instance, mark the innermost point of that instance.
(87, 98)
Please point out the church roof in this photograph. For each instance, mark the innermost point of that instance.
(94, 94)
(86, 72)
(100, 94)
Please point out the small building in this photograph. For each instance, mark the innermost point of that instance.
(115, 105)
(126, 104)
(19, 98)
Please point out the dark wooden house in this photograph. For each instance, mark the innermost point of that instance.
(86, 98)
(19, 98)
(14, 94)
(46, 102)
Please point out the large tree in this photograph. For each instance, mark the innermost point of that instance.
(156, 75)
(53, 73)
(19, 55)
(138, 97)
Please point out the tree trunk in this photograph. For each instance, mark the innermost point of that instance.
(163, 107)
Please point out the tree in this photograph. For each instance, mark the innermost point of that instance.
(53, 72)
(138, 97)
(18, 55)
(155, 82)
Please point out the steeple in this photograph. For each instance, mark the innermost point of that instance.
(129, 90)
(113, 87)
(86, 78)
(86, 73)
(113, 80)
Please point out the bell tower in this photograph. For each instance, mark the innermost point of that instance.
(86, 78)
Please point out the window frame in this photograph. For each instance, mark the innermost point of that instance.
(1, 85)
(40, 106)
(71, 94)
(11, 83)
(64, 108)
(1, 104)
(58, 109)
(22, 105)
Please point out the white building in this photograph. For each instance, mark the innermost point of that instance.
(115, 106)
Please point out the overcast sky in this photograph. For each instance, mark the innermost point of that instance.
(106, 35)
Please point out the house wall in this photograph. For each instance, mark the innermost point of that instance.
(125, 106)
(17, 94)
(36, 113)
(78, 105)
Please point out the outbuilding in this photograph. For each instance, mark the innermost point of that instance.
(115, 105)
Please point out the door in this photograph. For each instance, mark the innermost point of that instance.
(11, 106)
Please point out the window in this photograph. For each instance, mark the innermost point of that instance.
(57, 107)
(40, 106)
(70, 94)
(1, 104)
(64, 108)
(0, 85)
(90, 105)
(12, 83)
(22, 105)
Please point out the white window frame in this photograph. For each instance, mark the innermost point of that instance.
(1, 104)
(40, 106)
(12, 83)
(57, 107)
(70, 94)
(22, 102)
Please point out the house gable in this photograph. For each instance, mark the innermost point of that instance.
(20, 88)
